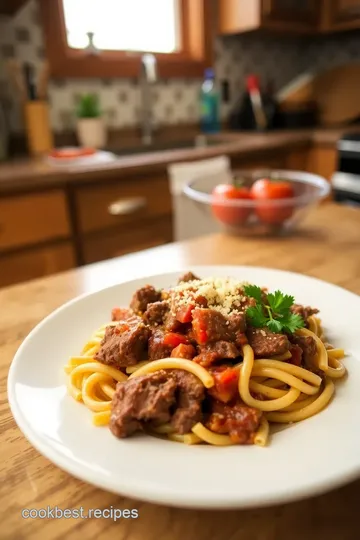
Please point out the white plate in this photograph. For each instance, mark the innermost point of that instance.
(302, 460)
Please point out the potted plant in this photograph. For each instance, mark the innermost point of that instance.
(91, 130)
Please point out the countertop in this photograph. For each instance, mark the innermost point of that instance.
(25, 174)
(327, 247)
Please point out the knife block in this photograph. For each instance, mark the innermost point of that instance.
(37, 124)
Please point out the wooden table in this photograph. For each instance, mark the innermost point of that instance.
(328, 247)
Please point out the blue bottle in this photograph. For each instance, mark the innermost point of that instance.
(209, 103)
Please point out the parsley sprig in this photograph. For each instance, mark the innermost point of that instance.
(272, 310)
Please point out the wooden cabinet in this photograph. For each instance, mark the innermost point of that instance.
(123, 217)
(122, 203)
(10, 7)
(342, 14)
(35, 263)
(109, 244)
(263, 162)
(301, 15)
(237, 16)
(33, 218)
(319, 159)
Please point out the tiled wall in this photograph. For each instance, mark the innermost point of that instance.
(270, 56)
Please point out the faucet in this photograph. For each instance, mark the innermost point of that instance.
(148, 77)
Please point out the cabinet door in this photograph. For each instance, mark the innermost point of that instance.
(114, 243)
(290, 14)
(36, 263)
(345, 13)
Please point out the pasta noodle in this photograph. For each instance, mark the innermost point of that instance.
(282, 391)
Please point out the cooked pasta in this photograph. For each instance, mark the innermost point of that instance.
(217, 352)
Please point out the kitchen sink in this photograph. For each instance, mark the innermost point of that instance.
(200, 141)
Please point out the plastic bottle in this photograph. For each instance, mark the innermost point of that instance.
(209, 102)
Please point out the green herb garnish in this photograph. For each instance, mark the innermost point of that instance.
(272, 310)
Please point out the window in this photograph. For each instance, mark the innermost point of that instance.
(120, 25)
(178, 32)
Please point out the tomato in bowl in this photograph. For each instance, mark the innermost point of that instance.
(259, 202)
(227, 213)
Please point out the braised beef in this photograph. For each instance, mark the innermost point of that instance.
(141, 400)
(266, 343)
(144, 296)
(209, 325)
(172, 324)
(125, 344)
(156, 312)
(189, 396)
(189, 276)
(239, 421)
(308, 347)
(155, 399)
(212, 352)
(157, 348)
(303, 311)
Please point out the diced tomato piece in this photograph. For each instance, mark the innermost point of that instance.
(226, 383)
(184, 313)
(173, 339)
(183, 350)
(199, 327)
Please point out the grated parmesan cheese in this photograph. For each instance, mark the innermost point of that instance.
(222, 294)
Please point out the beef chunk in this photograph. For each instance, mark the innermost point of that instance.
(236, 323)
(266, 343)
(209, 325)
(183, 351)
(308, 347)
(121, 314)
(157, 348)
(124, 345)
(189, 396)
(219, 350)
(239, 421)
(147, 398)
(189, 276)
(303, 311)
(144, 296)
(172, 324)
(156, 312)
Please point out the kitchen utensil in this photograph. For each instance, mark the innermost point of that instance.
(37, 123)
(42, 86)
(29, 75)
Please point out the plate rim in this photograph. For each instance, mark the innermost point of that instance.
(140, 493)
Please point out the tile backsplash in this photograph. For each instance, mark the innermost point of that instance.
(272, 57)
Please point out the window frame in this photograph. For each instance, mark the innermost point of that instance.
(196, 36)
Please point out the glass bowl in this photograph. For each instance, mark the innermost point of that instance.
(259, 217)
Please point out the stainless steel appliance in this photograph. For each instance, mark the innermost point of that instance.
(346, 180)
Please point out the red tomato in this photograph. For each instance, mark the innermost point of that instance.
(226, 383)
(184, 313)
(266, 190)
(230, 215)
(173, 339)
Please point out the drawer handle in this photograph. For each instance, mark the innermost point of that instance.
(124, 207)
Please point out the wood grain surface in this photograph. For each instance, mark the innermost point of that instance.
(327, 247)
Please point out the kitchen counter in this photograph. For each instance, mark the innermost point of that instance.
(26, 174)
(327, 247)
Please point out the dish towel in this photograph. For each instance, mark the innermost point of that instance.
(190, 218)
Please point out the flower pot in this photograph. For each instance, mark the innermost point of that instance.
(91, 132)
